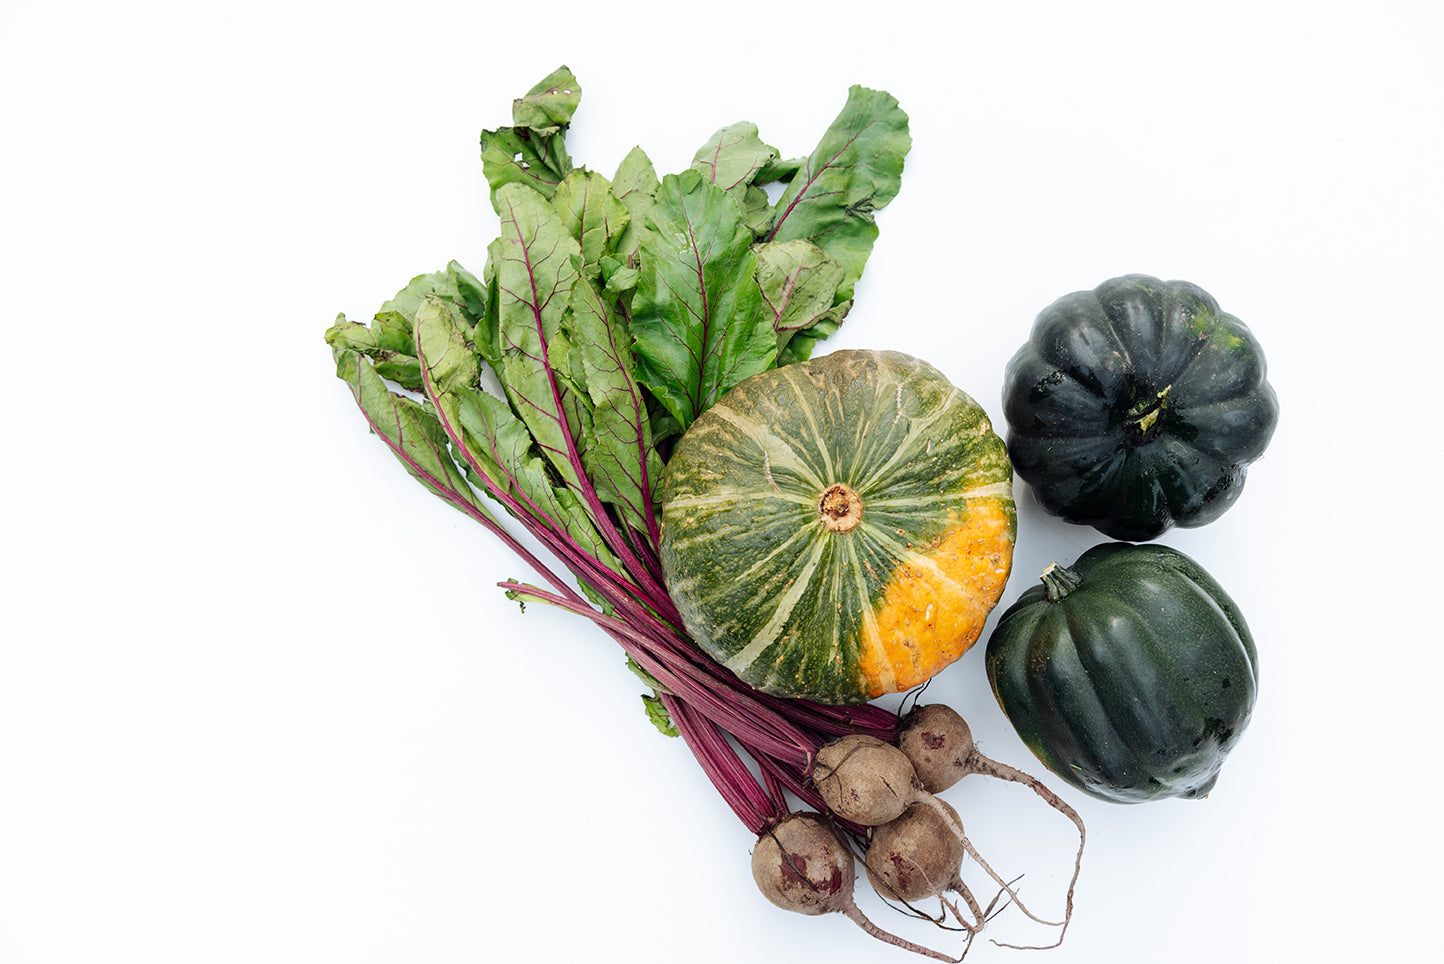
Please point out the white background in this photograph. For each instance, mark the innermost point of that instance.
(259, 698)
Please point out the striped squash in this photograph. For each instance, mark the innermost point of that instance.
(838, 528)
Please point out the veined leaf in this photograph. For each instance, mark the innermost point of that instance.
(489, 426)
(533, 151)
(453, 283)
(652, 702)
(487, 334)
(799, 283)
(592, 215)
(619, 456)
(697, 313)
(494, 443)
(536, 263)
(657, 712)
(616, 443)
(491, 432)
(413, 433)
(800, 346)
(732, 157)
(451, 364)
(548, 107)
(756, 210)
(855, 170)
(386, 343)
(634, 185)
(635, 178)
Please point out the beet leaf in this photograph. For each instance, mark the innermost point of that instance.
(697, 313)
(799, 283)
(854, 172)
(533, 151)
(620, 459)
(536, 263)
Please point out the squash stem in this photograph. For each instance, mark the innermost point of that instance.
(840, 508)
(1059, 581)
(1143, 417)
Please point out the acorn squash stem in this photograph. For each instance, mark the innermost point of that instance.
(1142, 423)
(1059, 581)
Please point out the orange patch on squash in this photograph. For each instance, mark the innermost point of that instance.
(934, 609)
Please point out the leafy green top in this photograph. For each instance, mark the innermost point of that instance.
(609, 314)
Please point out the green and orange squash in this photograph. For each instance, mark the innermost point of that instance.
(838, 528)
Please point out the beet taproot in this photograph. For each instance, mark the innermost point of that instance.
(801, 864)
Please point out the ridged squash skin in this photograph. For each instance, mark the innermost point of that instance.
(1137, 406)
(838, 528)
(1131, 674)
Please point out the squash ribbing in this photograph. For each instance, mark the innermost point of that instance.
(839, 528)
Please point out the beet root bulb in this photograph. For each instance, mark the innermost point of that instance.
(864, 780)
(802, 865)
(915, 856)
(940, 745)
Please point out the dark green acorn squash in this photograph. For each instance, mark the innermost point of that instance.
(838, 528)
(1137, 406)
(1131, 674)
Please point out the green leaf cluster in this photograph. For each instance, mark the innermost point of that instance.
(609, 314)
